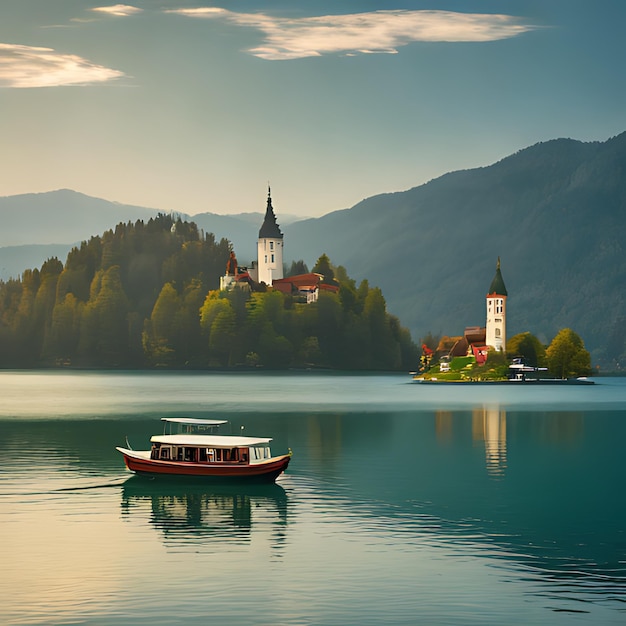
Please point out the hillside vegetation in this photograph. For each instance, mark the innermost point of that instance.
(145, 295)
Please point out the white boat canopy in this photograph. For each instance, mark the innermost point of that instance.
(193, 421)
(210, 441)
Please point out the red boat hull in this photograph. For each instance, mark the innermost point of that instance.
(257, 472)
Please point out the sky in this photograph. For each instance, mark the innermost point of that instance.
(195, 106)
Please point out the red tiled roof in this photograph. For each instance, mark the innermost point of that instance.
(300, 280)
(303, 282)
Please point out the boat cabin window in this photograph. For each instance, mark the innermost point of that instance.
(207, 455)
(184, 453)
(222, 455)
(258, 453)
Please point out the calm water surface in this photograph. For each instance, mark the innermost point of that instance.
(403, 504)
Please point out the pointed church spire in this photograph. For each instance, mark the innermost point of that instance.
(270, 228)
(497, 284)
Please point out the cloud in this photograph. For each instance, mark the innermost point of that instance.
(119, 10)
(26, 66)
(375, 32)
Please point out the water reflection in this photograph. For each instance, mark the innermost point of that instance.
(443, 425)
(489, 425)
(184, 512)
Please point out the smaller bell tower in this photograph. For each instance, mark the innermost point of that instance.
(495, 331)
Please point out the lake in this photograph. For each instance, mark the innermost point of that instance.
(403, 503)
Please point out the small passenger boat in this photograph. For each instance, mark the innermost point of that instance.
(193, 453)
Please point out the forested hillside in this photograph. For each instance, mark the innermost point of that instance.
(145, 295)
(555, 213)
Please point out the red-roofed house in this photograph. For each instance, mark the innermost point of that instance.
(305, 285)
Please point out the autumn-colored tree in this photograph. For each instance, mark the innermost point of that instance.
(566, 355)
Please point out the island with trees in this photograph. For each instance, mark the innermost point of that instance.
(146, 295)
(565, 358)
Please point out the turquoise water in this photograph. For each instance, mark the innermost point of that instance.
(403, 504)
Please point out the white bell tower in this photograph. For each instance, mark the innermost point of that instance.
(269, 247)
(495, 331)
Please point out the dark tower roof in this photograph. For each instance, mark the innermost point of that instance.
(497, 284)
(270, 229)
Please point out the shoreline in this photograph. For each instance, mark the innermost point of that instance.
(533, 381)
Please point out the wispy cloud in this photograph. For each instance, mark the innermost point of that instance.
(27, 66)
(119, 10)
(375, 32)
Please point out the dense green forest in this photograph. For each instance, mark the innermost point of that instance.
(146, 295)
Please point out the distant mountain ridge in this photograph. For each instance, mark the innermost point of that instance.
(66, 216)
(61, 216)
(555, 213)
(40, 225)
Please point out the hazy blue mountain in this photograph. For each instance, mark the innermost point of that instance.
(61, 216)
(555, 213)
(37, 226)
(15, 259)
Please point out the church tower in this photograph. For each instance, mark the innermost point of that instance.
(269, 247)
(496, 313)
